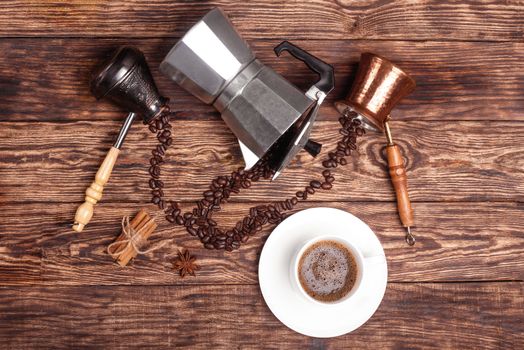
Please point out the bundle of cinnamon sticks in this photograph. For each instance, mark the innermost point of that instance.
(135, 234)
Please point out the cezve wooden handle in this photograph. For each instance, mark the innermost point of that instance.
(84, 213)
(397, 171)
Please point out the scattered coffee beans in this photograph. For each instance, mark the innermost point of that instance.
(199, 221)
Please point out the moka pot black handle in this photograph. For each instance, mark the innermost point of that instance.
(326, 83)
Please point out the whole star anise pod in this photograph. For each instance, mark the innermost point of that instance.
(185, 263)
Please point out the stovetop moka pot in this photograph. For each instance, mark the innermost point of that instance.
(264, 110)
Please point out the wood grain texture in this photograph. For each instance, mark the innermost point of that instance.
(461, 132)
(318, 19)
(459, 161)
(455, 242)
(47, 79)
(429, 316)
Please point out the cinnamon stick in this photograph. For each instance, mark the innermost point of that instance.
(142, 221)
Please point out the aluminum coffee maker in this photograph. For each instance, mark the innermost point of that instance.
(269, 116)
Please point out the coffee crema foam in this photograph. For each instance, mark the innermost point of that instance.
(327, 271)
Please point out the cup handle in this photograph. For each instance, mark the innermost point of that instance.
(375, 260)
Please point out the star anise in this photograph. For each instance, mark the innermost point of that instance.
(185, 263)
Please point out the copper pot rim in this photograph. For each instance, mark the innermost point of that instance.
(370, 122)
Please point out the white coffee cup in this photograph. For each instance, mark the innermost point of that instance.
(360, 260)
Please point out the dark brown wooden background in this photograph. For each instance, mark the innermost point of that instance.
(462, 130)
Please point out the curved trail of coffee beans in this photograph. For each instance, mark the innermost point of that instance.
(199, 221)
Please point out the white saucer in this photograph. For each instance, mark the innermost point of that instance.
(291, 307)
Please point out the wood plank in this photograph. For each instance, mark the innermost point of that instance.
(319, 19)
(455, 242)
(459, 161)
(47, 79)
(444, 316)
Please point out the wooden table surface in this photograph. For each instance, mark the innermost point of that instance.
(462, 130)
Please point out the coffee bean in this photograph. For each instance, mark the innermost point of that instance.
(209, 246)
(326, 186)
(343, 161)
(152, 128)
(170, 218)
(330, 179)
(192, 231)
(300, 194)
(360, 131)
(152, 184)
(326, 173)
(155, 200)
(315, 184)
(200, 233)
(169, 141)
(179, 220)
(294, 200)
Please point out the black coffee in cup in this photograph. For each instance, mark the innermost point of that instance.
(327, 271)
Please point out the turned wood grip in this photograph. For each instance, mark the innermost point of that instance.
(397, 171)
(84, 213)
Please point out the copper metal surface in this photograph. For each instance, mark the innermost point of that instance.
(378, 87)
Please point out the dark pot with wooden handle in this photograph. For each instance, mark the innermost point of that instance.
(126, 80)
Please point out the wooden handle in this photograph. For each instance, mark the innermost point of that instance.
(397, 171)
(84, 213)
